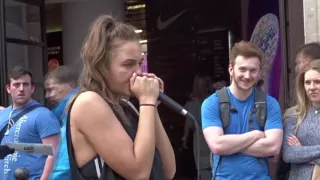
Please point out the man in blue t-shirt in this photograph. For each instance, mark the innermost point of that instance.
(37, 126)
(244, 154)
(61, 85)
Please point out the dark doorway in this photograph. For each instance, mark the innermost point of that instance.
(185, 38)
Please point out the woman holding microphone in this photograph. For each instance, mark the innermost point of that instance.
(107, 138)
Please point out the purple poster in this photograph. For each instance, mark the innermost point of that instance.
(264, 31)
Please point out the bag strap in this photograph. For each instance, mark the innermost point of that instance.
(224, 106)
(260, 108)
(224, 109)
(14, 119)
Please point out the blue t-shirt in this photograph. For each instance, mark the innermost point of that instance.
(239, 165)
(61, 169)
(30, 128)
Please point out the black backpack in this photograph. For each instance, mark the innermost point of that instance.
(260, 110)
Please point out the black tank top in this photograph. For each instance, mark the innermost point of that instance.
(96, 169)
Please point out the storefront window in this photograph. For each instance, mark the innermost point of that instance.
(22, 42)
(22, 21)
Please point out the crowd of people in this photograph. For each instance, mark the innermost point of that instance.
(97, 133)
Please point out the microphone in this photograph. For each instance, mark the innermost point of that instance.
(21, 174)
(179, 109)
(174, 105)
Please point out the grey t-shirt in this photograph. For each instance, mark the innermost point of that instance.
(194, 107)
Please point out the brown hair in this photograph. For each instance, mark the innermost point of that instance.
(104, 35)
(18, 72)
(63, 75)
(247, 50)
(310, 51)
(96, 53)
(303, 103)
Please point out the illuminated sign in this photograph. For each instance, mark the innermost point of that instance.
(139, 6)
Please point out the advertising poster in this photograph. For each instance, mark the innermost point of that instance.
(264, 31)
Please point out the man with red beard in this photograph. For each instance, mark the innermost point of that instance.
(241, 151)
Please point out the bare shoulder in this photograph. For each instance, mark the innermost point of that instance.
(88, 98)
(89, 101)
(90, 106)
(102, 132)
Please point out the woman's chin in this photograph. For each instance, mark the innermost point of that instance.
(128, 93)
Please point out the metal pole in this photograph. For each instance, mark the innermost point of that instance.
(3, 58)
(284, 52)
(230, 40)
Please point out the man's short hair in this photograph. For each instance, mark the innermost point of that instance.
(63, 75)
(310, 51)
(18, 72)
(247, 50)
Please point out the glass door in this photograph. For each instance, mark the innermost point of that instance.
(23, 42)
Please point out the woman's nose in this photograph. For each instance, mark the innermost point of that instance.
(138, 70)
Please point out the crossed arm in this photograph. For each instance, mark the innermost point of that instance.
(301, 154)
(297, 153)
(254, 143)
(267, 146)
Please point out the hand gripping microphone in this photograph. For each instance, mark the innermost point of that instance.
(179, 109)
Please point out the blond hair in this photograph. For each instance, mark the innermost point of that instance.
(303, 103)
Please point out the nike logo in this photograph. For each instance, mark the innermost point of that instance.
(164, 24)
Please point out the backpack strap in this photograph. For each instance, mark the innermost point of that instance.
(260, 108)
(14, 119)
(224, 106)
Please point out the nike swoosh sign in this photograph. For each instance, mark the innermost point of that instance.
(164, 24)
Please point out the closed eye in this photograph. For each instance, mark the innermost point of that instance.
(129, 64)
(140, 63)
